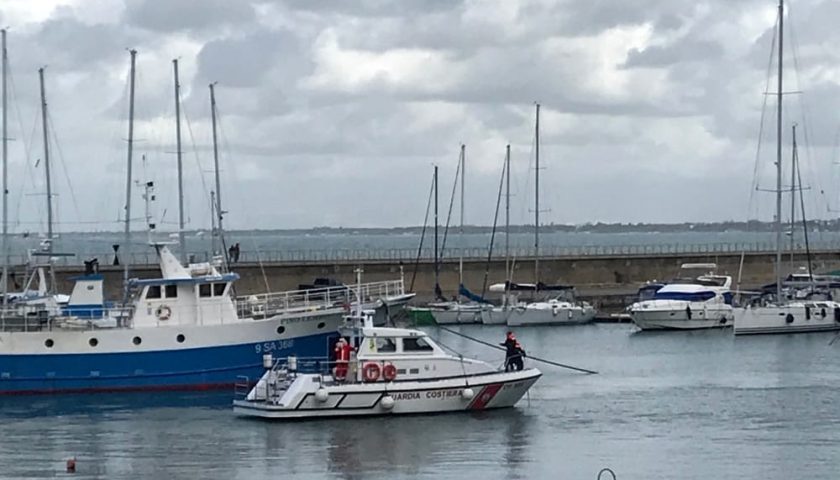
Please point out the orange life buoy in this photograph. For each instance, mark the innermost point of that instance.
(370, 372)
(389, 372)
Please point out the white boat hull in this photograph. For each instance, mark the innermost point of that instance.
(822, 317)
(457, 314)
(677, 318)
(489, 391)
(519, 316)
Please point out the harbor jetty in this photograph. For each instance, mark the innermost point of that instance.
(607, 280)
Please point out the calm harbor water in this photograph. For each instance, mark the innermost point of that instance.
(688, 405)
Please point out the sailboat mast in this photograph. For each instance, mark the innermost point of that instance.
(537, 201)
(219, 212)
(798, 179)
(181, 238)
(5, 176)
(507, 213)
(793, 189)
(129, 162)
(437, 263)
(461, 233)
(779, 161)
(46, 161)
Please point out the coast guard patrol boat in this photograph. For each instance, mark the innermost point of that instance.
(396, 371)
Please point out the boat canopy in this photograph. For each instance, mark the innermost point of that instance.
(464, 292)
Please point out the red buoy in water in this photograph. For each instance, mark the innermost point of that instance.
(71, 465)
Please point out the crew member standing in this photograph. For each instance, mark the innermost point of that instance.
(513, 354)
(342, 359)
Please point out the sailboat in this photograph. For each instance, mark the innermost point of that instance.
(560, 306)
(783, 312)
(458, 310)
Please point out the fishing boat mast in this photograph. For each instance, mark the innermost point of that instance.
(779, 160)
(127, 241)
(219, 212)
(46, 162)
(181, 236)
(5, 141)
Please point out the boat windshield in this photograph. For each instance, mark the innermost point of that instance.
(685, 296)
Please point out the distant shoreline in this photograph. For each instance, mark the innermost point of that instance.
(710, 227)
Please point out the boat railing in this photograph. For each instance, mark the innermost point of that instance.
(266, 304)
(36, 318)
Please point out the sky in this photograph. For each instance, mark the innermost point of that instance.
(333, 113)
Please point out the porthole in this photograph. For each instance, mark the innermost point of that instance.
(281, 330)
(137, 340)
(180, 338)
(93, 342)
(49, 343)
(321, 325)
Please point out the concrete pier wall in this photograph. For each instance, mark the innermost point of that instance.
(603, 279)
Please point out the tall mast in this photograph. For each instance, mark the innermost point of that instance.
(5, 182)
(779, 161)
(537, 201)
(127, 240)
(219, 211)
(437, 264)
(181, 238)
(461, 233)
(507, 213)
(793, 189)
(46, 161)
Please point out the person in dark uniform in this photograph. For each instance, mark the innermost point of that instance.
(513, 353)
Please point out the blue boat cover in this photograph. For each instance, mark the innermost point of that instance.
(462, 290)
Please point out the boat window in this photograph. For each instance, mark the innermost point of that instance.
(204, 290)
(219, 289)
(416, 344)
(385, 345)
(153, 291)
(171, 291)
(685, 296)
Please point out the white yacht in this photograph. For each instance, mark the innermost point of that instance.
(687, 303)
(558, 308)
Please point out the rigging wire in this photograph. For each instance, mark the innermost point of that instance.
(422, 235)
(493, 234)
(63, 164)
(449, 215)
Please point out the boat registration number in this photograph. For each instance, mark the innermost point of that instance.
(274, 346)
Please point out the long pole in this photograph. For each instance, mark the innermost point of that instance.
(129, 162)
(507, 213)
(793, 200)
(46, 161)
(779, 161)
(181, 237)
(219, 211)
(461, 233)
(537, 201)
(5, 181)
(437, 260)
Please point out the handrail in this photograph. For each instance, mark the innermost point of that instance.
(408, 255)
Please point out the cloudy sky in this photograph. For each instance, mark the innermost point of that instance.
(333, 112)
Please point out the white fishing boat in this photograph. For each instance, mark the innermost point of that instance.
(783, 311)
(396, 371)
(687, 303)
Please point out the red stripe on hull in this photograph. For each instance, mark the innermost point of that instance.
(485, 396)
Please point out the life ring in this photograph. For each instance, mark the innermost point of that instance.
(163, 312)
(389, 372)
(370, 372)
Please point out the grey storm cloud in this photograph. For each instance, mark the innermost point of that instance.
(333, 112)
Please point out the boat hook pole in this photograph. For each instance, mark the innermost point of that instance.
(537, 359)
